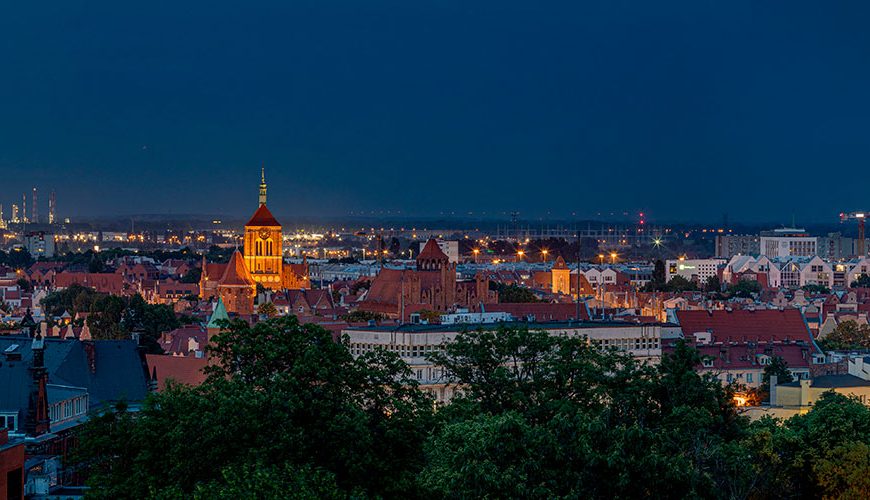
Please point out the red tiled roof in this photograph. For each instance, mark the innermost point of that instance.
(542, 311)
(431, 251)
(386, 287)
(182, 369)
(746, 325)
(263, 217)
(236, 272)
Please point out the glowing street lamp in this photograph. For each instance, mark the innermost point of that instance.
(613, 256)
(520, 254)
(476, 252)
(601, 258)
(544, 253)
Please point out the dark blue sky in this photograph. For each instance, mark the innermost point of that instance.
(684, 109)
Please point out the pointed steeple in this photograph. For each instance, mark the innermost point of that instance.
(263, 185)
(220, 313)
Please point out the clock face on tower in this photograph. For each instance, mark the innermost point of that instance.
(264, 233)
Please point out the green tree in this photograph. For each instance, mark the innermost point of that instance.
(192, 276)
(679, 284)
(777, 367)
(362, 316)
(658, 275)
(745, 289)
(713, 284)
(283, 404)
(268, 309)
(863, 281)
(513, 293)
(847, 335)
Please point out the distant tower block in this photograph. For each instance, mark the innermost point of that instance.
(24, 208)
(15, 219)
(52, 208)
(34, 207)
(2, 220)
(262, 185)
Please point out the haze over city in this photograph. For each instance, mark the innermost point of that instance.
(569, 108)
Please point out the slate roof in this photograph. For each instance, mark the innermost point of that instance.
(119, 370)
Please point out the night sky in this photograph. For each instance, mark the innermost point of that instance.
(686, 110)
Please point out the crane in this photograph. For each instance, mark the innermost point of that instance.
(860, 217)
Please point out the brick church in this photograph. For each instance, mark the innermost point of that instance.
(262, 263)
(431, 286)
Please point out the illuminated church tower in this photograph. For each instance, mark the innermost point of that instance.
(264, 252)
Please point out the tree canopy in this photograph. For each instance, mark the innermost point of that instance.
(288, 412)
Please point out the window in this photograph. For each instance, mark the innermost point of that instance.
(749, 377)
(708, 362)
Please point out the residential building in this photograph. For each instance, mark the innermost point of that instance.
(413, 342)
(39, 244)
(736, 345)
(729, 245)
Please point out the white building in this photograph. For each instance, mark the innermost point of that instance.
(698, 270)
(39, 244)
(413, 342)
(788, 242)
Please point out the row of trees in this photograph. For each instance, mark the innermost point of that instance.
(288, 412)
(114, 317)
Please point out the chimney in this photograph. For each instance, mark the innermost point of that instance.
(36, 421)
(91, 353)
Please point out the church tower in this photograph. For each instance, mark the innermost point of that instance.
(262, 185)
(561, 277)
(264, 245)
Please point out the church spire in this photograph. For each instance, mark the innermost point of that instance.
(262, 185)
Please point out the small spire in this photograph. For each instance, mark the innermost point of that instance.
(263, 185)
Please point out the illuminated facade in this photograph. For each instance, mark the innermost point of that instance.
(561, 277)
(263, 259)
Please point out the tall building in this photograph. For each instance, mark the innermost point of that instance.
(262, 263)
(52, 208)
(2, 220)
(729, 245)
(34, 207)
(15, 219)
(788, 242)
(24, 218)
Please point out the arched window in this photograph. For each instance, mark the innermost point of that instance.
(259, 247)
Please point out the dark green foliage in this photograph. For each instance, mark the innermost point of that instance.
(288, 412)
(513, 293)
(678, 284)
(192, 276)
(816, 289)
(114, 317)
(713, 284)
(863, 281)
(285, 408)
(658, 275)
(17, 258)
(848, 335)
(745, 289)
(362, 316)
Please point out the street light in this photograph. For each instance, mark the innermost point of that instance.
(476, 252)
(601, 258)
(520, 254)
(544, 253)
(613, 256)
